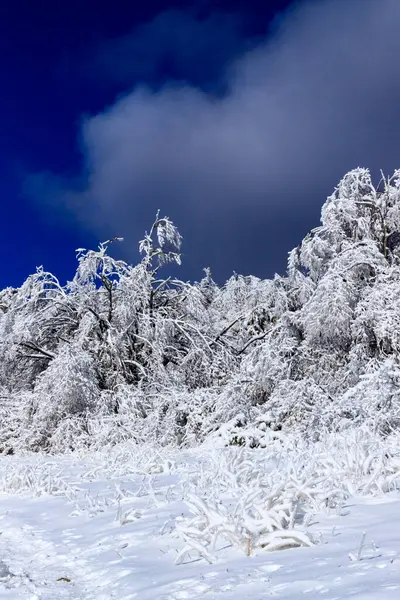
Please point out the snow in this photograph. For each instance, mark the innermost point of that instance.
(105, 526)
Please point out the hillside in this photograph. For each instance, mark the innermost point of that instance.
(165, 440)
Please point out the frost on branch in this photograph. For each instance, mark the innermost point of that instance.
(162, 243)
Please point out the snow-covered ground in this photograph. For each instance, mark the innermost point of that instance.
(116, 524)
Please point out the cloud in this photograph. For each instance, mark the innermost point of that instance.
(243, 172)
(178, 45)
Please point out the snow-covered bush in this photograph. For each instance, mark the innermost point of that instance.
(37, 479)
(257, 521)
(264, 499)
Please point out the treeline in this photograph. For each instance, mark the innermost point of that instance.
(121, 352)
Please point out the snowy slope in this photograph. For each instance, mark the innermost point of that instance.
(104, 526)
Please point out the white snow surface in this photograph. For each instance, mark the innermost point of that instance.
(107, 525)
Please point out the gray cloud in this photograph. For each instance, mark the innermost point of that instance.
(318, 98)
(174, 44)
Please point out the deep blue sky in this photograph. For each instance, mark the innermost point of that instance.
(64, 62)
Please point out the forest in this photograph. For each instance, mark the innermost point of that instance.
(126, 352)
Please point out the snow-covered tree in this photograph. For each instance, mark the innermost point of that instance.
(126, 351)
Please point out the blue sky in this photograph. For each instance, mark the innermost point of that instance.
(235, 118)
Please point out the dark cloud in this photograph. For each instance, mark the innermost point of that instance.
(177, 45)
(242, 174)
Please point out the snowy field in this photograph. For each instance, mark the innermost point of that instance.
(293, 521)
